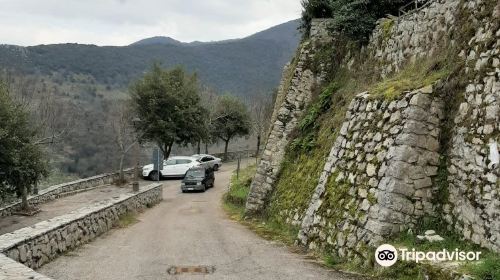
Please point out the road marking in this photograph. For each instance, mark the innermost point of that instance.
(201, 269)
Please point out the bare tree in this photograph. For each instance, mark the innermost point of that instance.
(50, 115)
(125, 136)
(208, 99)
(261, 109)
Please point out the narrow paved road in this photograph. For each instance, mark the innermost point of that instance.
(185, 230)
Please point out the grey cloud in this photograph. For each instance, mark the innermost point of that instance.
(116, 21)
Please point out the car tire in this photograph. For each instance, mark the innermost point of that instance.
(204, 188)
(153, 175)
(183, 191)
(216, 167)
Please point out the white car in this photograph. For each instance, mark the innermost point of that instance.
(209, 161)
(172, 167)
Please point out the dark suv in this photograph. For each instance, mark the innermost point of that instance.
(198, 178)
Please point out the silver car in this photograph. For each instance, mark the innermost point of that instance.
(209, 161)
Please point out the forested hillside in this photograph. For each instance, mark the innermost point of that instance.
(242, 66)
(88, 84)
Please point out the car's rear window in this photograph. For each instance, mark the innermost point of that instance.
(195, 173)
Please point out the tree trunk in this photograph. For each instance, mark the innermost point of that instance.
(225, 149)
(24, 198)
(167, 148)
(121, 175)
(206, 148)
(198, 150)
(258, 146)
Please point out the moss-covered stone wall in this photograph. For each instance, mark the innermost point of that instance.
(373, 165)
(296, 92)
(377, 179)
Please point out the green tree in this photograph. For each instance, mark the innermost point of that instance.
(22, 161)
(232, 120)
(168, 106)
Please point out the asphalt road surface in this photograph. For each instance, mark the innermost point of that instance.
(187, 236)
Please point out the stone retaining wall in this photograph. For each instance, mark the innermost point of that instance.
(298, 93)
(56, 191)
(473, 206)
(417, 34)
(381, 172)
(36, 245)
(377, 180)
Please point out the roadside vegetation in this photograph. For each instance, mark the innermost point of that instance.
(234, 203)
(487, 268)
(316, 131)
(231, 119)
(167, 105)
(22, 159)
(168, 110)
(127, 219)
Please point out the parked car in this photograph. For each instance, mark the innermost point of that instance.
(209, 161)
(172, 167)
(198, 178)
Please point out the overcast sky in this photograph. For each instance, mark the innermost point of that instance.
(121, 22)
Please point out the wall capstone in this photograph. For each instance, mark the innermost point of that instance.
(56, 191)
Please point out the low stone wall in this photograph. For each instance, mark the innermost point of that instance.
(377, 180)
(235, 154)
(56, 191)
(12, 270)
(36, 245)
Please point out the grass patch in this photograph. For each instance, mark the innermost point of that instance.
(451, 242)
(386, 27)
(416, 75)
(127, 219)
(240, 186)
(234, 204)
(488, 267)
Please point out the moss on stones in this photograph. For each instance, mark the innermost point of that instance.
(386, 28)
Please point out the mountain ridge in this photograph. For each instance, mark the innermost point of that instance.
(239, 66)
(166, 40)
